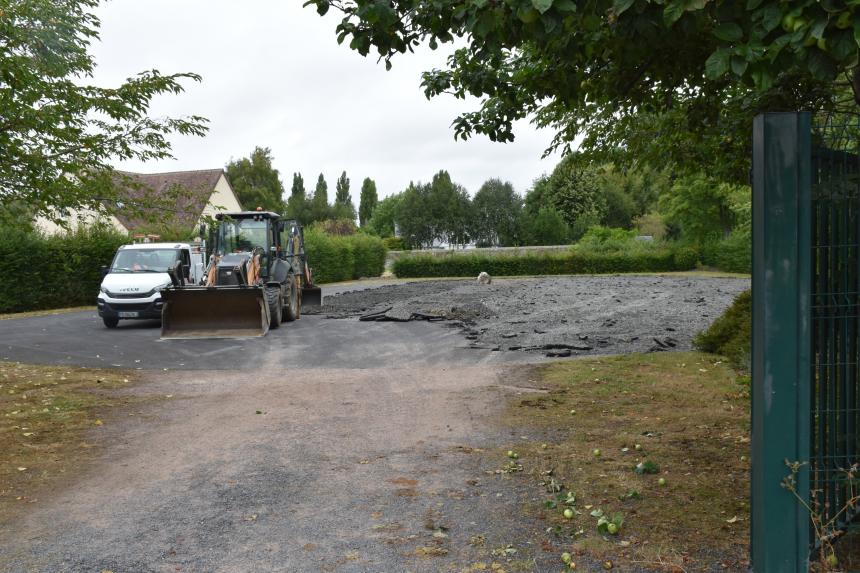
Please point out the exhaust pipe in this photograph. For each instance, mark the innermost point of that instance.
(214, 312)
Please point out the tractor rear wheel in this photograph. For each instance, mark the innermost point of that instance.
(274, 299)
(291, 309)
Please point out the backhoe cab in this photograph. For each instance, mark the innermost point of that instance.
(257, 276)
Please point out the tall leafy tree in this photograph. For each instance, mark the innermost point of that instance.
(256, 182)
(448, 210)
(573, 191)
(343, 208)
(496, 209)
(320, 209)
(546, 226)
(367, 201)
(580, 67)
(411, 216)
(58, 134)
(705, 209)
(382, 221)
(297, 205)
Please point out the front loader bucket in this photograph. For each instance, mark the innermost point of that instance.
(216, 312)
(312, 296)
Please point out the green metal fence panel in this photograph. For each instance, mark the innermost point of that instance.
(781, 339)
(835, 250)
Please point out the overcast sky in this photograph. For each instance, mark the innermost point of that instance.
(274, 76)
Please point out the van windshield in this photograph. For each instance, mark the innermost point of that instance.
(144, 260)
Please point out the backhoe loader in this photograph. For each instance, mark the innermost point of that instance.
(257, 276)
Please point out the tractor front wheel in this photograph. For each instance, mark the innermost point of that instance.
(293, 306)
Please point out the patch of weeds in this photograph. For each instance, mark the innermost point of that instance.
(45, 414)
(646, 467)
(685, 411)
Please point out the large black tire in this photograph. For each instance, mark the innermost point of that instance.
(273, 298)
(110, 322)
(293, 307)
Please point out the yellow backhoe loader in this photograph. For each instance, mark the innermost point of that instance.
(257, 276)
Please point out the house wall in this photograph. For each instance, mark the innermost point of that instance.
(76, 219)
(223, 199)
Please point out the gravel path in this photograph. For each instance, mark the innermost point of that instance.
(556, 316)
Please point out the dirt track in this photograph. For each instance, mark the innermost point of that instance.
(385, 459)
(555, 316)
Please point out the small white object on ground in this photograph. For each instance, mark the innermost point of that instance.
(484, 279)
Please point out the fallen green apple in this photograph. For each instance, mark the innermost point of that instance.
(661, 481)
(612, 528)
(565, 557)
(568, 513)
(596, 452)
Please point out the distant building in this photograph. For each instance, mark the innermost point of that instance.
(199, 193)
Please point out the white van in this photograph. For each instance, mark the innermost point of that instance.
(132, 285)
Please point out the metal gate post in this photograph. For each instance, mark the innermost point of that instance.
(781, 339)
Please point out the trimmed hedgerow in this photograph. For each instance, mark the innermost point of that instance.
(340, 258)
(38, 272)
(730, 334)
(733, 255)
(682, 259)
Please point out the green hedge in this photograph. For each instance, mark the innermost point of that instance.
(340, 258)
(39, 272)
(730, 334)
(732, 255)
(681, 259)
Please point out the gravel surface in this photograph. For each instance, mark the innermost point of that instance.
(556, 316)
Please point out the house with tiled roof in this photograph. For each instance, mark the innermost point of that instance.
(192, 195)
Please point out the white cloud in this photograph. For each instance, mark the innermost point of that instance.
(274, 76)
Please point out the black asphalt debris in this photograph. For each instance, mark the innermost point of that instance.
(552, 316)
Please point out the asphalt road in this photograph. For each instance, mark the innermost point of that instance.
(80, 338)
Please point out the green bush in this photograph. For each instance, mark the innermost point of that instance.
(52, 272)
(573, 262)
(732, 255)
(341, 258)
(395, 244)
(730, 334)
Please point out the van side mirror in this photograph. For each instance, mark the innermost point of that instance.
(105, 270)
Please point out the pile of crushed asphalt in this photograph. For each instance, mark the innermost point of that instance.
(555, 316)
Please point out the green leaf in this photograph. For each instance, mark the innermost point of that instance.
(717, 64)
(542, 5)
(753, 4)
(565, 5)
(817, 29)
(739, 65)
(771, 16)
(728, 32)
(621, 6)
(857, 33)
(762, 79)
(673, 11)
